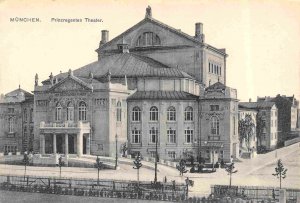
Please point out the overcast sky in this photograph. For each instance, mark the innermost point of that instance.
(262, 38)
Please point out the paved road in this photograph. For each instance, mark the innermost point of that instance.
(257, 171)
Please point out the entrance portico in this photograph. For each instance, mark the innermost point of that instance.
(65, 138)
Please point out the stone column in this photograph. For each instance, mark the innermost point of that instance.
(79, 144)
(66, 144)
(54, 143)
(42, 143)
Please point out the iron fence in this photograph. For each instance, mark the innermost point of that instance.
(254, 192)
(170, 191)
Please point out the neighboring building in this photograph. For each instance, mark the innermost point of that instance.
(219, 123)
(287, 114)
(151, 83)
(268, 112)
(252, 143)
(16, 119)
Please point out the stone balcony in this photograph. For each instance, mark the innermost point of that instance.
(65, 127)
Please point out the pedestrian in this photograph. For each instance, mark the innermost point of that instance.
(231, 159)
(165, 179)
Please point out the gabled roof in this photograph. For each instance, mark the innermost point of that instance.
(129, 64)
(162, 95)
(171, 29)
(257, 105)
(74, 78)
(217, 86)
(17, 95)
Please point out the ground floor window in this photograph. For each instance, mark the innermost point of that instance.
(172, 154)
(171, 136)
(188, 135)
(10, 148)
(136, 134)
(152, 154)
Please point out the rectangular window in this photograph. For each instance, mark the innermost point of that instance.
(188, 133)
(136, 134)
(171, 136)
(221, 154)
(172, 154)
(31, 115)
(214, 107)
(234, 131)
(11, 110)
(25, 115)
(153, 134)
(152, 154)
(11, 125)
(220, 71)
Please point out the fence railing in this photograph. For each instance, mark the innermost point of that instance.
(254, 192)
(170, 191)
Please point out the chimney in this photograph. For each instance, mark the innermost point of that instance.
(104, 37)
(199, 32)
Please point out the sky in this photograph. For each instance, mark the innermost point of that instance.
(262, 38)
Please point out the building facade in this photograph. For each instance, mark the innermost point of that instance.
(16, 122)
(288, 108)
(153, 85)
(267, 119)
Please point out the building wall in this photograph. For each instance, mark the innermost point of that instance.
(145, 147)
(11, 140)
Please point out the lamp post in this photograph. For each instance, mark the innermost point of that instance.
(156, 156)
(116, 163)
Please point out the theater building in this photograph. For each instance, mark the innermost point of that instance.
(152, 84)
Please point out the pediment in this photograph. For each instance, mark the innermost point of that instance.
(69, 84)
(168, 36)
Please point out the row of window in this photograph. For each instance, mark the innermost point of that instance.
(81, 111)
(70, 111)
(215, 69)
(153, 135)
(171, 114)
(173, 155)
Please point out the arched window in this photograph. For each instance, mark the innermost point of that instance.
(82, 111)
(171, 113)
(153, 113)
(215, 125)
(136, 114)
(119, 111)
(31, 115)
(58, 110)
(148, 39)
(188, 114)
(70, 112)
(11, 125)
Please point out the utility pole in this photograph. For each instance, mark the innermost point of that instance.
(116, 164)
(156, 156)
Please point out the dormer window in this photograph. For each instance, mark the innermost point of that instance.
(148, 39)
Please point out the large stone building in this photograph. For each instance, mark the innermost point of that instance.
(151, 84)
(16, 122)
(288, 108)
(267, 114)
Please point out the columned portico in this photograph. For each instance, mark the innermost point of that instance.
(59, 136)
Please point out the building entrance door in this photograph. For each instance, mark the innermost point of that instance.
(59, 144)
(71, 144)
(84, 145)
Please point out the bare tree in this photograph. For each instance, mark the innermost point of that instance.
(280, 171)
(230, 169)
(99, 166)
(181, 167)
(137, 165)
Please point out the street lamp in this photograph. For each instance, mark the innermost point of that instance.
(156, 157)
